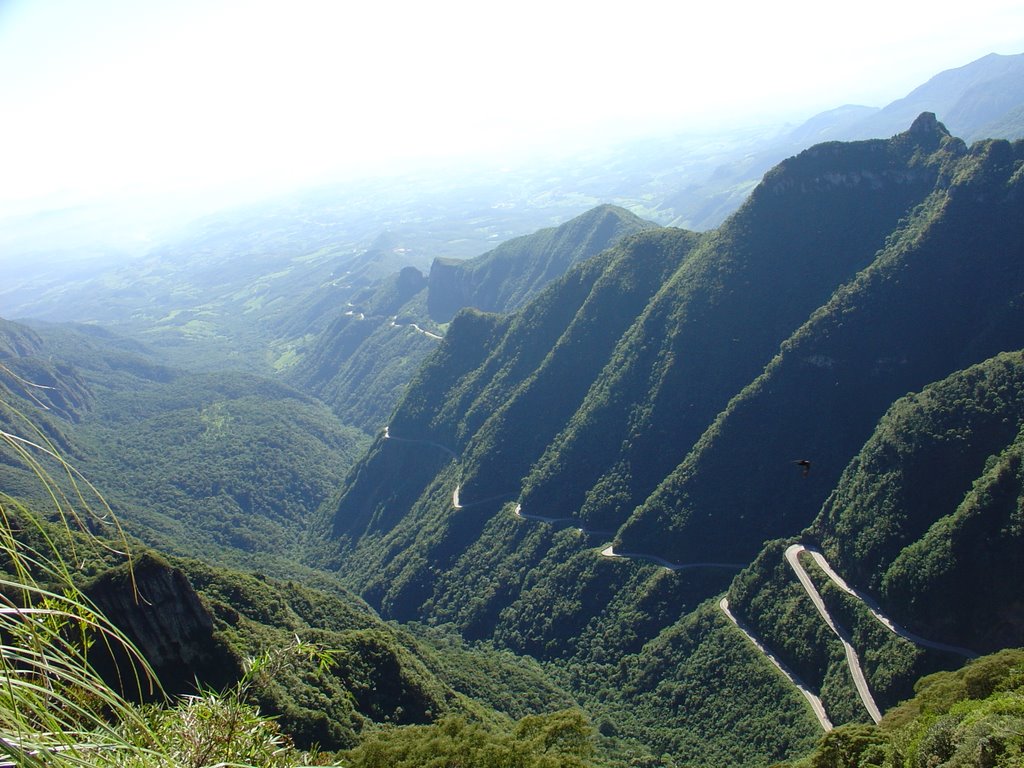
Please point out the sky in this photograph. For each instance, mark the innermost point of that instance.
(116, 96)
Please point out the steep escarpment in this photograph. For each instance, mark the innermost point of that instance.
(658, 398)
(505, 278)
(927, 516)
(361, 364)
(492, 377)
(941, 295)
(812, 224)
(924, 526)
(583, 413)
(157, 608)
(33, 377)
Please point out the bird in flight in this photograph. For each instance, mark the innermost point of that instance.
(806, 466)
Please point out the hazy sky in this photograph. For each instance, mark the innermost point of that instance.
(100, 95)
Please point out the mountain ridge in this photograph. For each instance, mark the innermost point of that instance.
(884, 265)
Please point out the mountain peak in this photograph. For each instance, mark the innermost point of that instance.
(926, 124)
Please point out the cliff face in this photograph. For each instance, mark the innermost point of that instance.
(449, 289)
(166, 621)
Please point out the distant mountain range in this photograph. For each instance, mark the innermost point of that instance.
(983, 99)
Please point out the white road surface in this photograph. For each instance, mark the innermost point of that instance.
(816, 706)
(852, 660)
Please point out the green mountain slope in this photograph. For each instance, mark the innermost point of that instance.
(197, 624)
(970, 717)
(361, 364)
(722, 316)
(926, 520)
(655, 397)
(490, 380)
(855, 273)
(941, 295)
(940, 543)
(505, 278)
(642, 391)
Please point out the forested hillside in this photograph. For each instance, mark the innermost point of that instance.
(214, 464)
(361, 364)
(658, 397)
(183, 460)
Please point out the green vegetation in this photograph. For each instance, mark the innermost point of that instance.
(940, 549)
(559, 740)
(56, 708)
(971, 717)
(921, 543)
(658, 395)
(219, 464)
(918, 313)
(654, 396)
(211, 644)
(220, 461)
(507, 277)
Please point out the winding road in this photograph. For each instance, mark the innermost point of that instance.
(456, 502)
(416, 328)
(816, 706)
(609, 551)
(876, 611)
(792, 556)
(445, 448)
(852, 660)
(541, 518)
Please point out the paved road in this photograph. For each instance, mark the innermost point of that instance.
(852, 660)
(816, 706)
(609, 551)
(456, 502)
(582, 529)
(445, 448)
(416, 328)
(876, 611)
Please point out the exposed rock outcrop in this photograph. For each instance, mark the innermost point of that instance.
(165, 619)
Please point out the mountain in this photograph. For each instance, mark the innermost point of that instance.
(200, 626)
(967, 717)
(362, 361)
(925, 521)
(982, 99)
(503, 279)
(361, 364)
(656, 397)
(647, 456)
(252, 287)
(916, 314)
(969, 99)
(668, 359)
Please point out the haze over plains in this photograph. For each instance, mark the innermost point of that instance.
(209, 97)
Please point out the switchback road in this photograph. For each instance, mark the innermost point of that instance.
(816, 706)
(852, 660)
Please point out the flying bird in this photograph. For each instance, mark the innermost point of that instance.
(805, 464)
